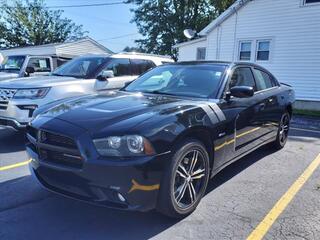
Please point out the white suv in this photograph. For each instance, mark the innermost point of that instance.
(19, 98)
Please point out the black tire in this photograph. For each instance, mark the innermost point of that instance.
(283, 131)
(194, 182)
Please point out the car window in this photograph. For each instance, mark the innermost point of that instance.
(140, 66)
(181, 80)
(82, 67)
(263, 79)
(12, 63)
(119, 66)
(242, 76)
(40, 64)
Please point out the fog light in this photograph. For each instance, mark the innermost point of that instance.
(121, 198)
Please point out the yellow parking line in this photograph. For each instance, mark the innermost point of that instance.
(20, 164)
(263, 227)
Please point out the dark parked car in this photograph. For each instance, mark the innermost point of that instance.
(156, 142)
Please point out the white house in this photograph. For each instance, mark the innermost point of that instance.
(281, 35)
(68, 49)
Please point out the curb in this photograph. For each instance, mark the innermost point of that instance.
(306, 122)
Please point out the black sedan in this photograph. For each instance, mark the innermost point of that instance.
(157, 142)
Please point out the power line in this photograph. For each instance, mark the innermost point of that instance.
(82, 5)
(117, 37)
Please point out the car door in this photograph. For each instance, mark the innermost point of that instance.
(122, 72)
(244, 127)
(272, 111)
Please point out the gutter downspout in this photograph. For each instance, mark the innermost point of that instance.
(235, 34)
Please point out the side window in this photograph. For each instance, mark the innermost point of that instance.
(140, 66)
(242, 77)
(263, 51)
(245, 50)
(119, 66)
(40, 64)
(263, 79)
(201, 53)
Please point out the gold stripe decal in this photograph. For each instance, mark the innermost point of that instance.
(20, 164)
(264, 226)
(238, 136)
(137, 186)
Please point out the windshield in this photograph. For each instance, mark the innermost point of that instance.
(80, 67)
(13, 63)
(181, 80)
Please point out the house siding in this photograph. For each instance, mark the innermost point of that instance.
(189, 52)
(81, 48)
(294, 31)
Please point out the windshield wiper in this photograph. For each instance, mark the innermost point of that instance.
(160, 92)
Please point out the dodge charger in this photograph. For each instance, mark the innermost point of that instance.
(155, 143)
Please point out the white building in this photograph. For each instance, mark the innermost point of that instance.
(68, 49)
(281, 35)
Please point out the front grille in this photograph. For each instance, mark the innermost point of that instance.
(4, 105)
(5, 95)
(58, 140)
(60, 158)
(54, 148)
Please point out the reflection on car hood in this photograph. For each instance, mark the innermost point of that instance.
(6, 75)
(36, 82)
(108, 109)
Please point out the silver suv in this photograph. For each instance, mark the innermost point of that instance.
(19, 98)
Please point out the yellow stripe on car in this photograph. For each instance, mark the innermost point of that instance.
(237, 136)
(16, 165)
(137, 186)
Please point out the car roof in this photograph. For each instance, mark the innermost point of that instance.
(226, 63)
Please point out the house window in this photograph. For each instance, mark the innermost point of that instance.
(311, 1)
(245, 51)
(201, 53)
(263, 50)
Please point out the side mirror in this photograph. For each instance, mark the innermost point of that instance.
(29, 70)
(105, 75)
(241, 92)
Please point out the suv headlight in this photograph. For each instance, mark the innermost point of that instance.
(125, 146)
(31, 93)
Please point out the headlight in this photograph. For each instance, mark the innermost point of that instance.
(32, 93)
(125, 146)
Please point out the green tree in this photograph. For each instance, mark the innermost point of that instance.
(162, 22)
(221, 5)
(27, 22)
(132, 49)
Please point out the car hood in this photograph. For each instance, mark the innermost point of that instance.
(116, 109)
(6, 75)
(36, 82)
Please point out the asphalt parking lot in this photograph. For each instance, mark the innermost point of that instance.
(265, 186)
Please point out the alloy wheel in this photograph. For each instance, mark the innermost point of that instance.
(190, 178)
(284, 128)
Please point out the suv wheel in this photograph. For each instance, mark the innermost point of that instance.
(185, 181)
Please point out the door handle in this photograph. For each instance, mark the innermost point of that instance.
(270, 100)
(262, 106)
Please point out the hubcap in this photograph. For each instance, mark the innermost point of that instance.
(189, 179)
(284, 128)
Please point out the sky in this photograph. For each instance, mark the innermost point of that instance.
(109, 25)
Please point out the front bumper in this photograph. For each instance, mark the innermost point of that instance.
(18, 113)
(130, 184)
